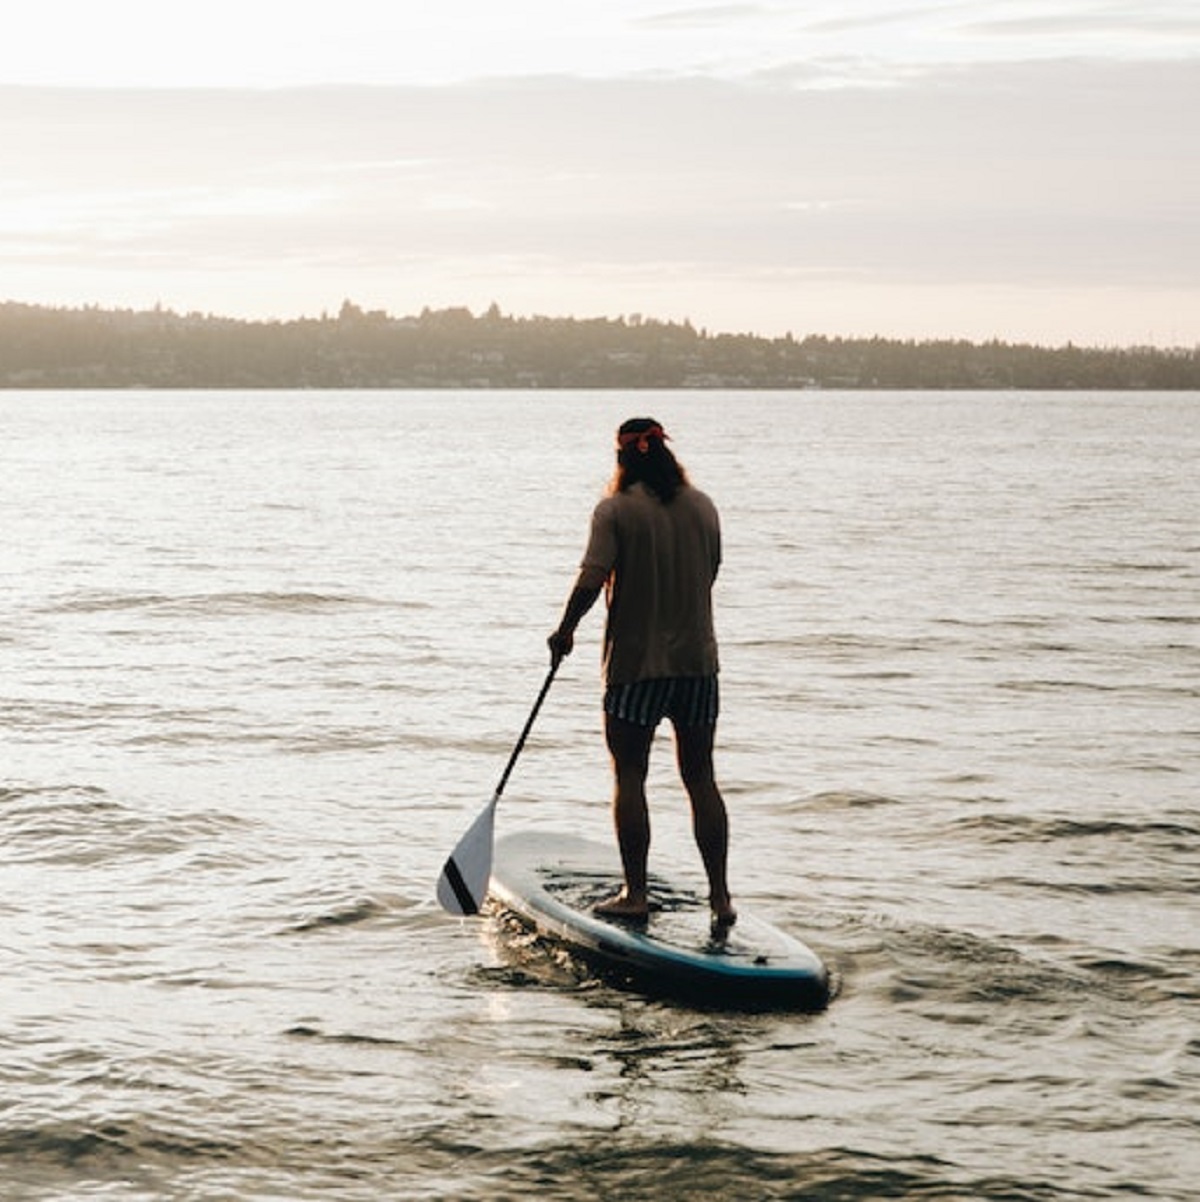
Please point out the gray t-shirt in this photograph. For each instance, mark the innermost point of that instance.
(658, 563)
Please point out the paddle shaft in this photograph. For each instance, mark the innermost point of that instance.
(533, 713)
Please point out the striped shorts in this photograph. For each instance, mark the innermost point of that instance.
(686, 700)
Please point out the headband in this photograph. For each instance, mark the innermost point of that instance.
(642, 438)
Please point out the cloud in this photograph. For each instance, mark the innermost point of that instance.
(1098, 23)
(1069, 176)
(703, 17)
(229, 43)
(910, 15)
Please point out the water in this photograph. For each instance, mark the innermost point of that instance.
(263, 658)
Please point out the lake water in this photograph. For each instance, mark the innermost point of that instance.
(263, 658)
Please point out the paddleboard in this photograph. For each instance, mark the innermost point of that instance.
(551, 881)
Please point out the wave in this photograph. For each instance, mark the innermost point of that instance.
(303, 1031)
(647, 1170)
(1170, 836)
(449, 1160)
(222, 726)
(284, 738)
(83, 825)
(952, 972)
(841, 799)
(341, 915)
(224, 604)
(16, 793)
(80, 1145)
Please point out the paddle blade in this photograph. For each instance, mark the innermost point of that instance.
(464, 881)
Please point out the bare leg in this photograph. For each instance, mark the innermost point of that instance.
(710, 820)
(629, 746)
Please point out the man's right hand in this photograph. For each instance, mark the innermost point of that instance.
(561, 644)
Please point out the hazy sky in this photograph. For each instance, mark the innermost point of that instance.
(1020, 169)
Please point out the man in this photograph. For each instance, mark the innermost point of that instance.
(655, 546)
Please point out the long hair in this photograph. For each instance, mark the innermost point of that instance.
(643, 458)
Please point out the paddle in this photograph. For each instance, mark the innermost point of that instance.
(464, 881)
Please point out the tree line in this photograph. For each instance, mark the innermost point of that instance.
(90, 347)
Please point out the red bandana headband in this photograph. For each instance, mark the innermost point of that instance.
(642, 438)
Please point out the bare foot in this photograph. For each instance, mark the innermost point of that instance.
(630, 909)
(723, 914)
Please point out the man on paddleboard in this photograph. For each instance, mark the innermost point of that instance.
(655, 548)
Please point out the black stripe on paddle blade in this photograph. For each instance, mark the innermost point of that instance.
(467, 904)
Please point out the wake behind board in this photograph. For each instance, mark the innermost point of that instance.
(550, 881)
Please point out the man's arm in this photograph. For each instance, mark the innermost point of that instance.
(583, 597)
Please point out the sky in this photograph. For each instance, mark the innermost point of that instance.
(1027, 170)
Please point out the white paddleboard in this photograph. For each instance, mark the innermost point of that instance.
(552, 880)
